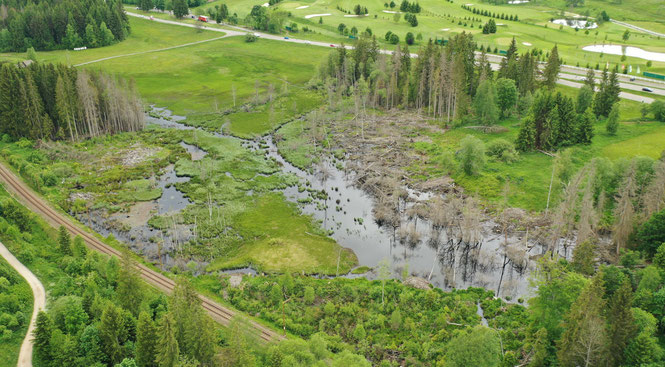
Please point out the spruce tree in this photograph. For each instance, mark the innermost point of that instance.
(585, 127)
(42, 335)
(551, 72)
(612, 124)
(167, 346)
(64, 241)
(526, 139)
(113, 333)
(584, 340)
(621, 323)
(130, 288)
(146, 341)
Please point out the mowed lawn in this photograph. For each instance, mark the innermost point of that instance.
(442, 19)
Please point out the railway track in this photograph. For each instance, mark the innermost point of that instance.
(39, 206)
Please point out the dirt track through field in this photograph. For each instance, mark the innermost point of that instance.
(39, 206)
(39, 303)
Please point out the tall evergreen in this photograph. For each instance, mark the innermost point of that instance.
(584, 341)
(168, 351)
(585, 127)
(130, 286)
(64, 241)
(551, 72)
(42, 337)
(621, 323)
(612, 124)
(113, 333)
(146, 341)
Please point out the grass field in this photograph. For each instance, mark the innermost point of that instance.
(200, 78)
(441, 19)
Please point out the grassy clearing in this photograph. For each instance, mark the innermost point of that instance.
(283, 242)
(259, 118)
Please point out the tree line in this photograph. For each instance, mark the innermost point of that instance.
(441, 82)
(46, 101)
(61, 24)
(490, 14)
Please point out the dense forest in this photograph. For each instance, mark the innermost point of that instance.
(45, 101)
(102, 314)
(60, 24)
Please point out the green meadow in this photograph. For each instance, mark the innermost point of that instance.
(441, 19)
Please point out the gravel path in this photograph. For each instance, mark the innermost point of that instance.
(39, 295)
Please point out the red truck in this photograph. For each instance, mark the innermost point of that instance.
(203, 18)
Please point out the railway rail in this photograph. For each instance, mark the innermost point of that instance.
(39, 206)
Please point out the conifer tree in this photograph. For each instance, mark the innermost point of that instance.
(146, 341)
(621, 323)
(130, 287)
(167, 346)
(585, 127)
(551, 72)
(64, 241)
(42, 335)
(113, 333)
(584, 340)
(612, 124)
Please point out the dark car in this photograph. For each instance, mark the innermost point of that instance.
(647, 89)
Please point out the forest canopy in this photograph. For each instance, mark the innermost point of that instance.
(60, 24)
(46, 101)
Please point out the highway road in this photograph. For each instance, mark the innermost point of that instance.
(628, 25)
(569, 74)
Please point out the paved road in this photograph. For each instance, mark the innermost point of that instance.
(41, 207)
(494, 59)
(39, 303)
(628, 25)
(630, 86)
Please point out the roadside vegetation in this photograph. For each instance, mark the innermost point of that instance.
(15, 312)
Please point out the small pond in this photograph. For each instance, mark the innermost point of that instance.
(576, 23)
(626, 50)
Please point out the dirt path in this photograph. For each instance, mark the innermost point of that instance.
(39, 295)
(56, 218)
(149, 51)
